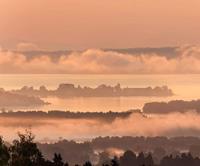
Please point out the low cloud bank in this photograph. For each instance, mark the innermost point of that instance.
(175, 124)
(187, 60)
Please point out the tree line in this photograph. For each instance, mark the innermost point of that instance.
(24, 152)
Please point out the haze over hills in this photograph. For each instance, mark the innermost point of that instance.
(102, 148)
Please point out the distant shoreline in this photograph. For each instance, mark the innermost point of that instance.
(66, 90)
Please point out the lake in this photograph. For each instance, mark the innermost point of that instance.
(185, 87)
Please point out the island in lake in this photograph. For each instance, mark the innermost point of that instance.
(10, 99)
(70, 90)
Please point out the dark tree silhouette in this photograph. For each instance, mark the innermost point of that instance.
(4, 153)
(57, 160)
(24, 152)
(141, 159)
(149, 160)
(128, 159)
(88, 163)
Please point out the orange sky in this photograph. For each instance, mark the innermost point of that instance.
(77, 24)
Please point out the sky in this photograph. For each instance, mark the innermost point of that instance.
(78, 24)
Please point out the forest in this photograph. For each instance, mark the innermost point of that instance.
(24, 151)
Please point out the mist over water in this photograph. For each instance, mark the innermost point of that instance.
(174, 124)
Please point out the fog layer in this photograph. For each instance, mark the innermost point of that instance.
(175, 124)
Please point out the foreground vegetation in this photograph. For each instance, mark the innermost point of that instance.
(24, 152)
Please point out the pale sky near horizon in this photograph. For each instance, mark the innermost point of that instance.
(80, 24)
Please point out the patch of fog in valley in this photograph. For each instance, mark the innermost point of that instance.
(173, 124)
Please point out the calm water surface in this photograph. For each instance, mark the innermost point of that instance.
(185, 87)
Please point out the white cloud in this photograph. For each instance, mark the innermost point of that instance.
(103, 62)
